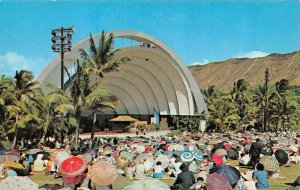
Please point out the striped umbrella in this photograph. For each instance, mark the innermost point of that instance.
(216, 181)
(270, 163)
(187, 156)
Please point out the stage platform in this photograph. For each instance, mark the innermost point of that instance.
(123, 135)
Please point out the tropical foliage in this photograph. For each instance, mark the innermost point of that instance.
(264, 107)
(24, 106)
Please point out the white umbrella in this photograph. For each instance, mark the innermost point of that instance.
(163, 159)
(61, 155)
(173, 147)
(19, 183)
(140, 149)
(89, 155)
(134, 145)
(180, 147)
(147, 184)
(149, 163)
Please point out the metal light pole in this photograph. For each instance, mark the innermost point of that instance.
(62, 43)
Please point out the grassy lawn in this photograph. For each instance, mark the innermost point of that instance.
(288, 174)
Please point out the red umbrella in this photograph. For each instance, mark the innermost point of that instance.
(228, 146)
(73, 166)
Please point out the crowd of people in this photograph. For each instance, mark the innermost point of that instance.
(194, 160)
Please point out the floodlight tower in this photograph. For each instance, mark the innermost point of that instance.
(62, 43)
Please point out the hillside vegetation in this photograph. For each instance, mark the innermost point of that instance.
(223, 74)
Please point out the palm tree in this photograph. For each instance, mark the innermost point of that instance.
(24, 94)
(239, 96)
(6, 92)
(79, 91)
(222, 112)
(99, 100)
(282, 104)
(51, 106)
(262, 97)
(101, 60)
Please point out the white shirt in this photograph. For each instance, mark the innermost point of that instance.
(177, 167)
(158, 169)
(245, 159)
(249, 185)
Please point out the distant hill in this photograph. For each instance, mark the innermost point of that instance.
(223, 74)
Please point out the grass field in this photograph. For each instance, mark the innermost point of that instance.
(288, 174)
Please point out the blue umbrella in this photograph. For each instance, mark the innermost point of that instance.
(231, 173)
(187, 156)
(199, 156)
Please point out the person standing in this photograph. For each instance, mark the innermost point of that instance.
(255, 152)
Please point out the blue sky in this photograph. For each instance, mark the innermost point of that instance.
(198, 31)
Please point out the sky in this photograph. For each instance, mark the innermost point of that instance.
(198, 31)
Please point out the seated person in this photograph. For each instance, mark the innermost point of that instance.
(244, 161)
(38, 164)
(130, 171)
(158, 170)
(199, 184)
(260, 177)
(185, 179)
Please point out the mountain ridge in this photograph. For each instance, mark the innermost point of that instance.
(222, 74)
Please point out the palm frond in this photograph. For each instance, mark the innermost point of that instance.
(93, 48)
(64, 108)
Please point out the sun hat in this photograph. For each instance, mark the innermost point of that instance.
(247, 175)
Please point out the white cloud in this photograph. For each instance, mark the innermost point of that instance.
(202, 62)
(12, 61)
(251, 54)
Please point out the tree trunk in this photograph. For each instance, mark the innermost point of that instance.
(77, 133)
(93, 126)
(61, 129)
(16, 131)
(45, 129)
(277, 125)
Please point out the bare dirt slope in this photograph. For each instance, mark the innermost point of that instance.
(223, 74)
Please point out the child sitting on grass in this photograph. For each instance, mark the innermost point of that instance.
(260, 177)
